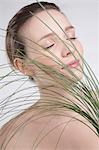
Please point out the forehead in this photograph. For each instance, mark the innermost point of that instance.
(40, 25)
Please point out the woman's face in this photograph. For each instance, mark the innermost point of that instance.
(38, 32)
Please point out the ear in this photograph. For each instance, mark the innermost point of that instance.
(19, 64)
(26, 69)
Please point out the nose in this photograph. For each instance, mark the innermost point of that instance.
(65, 52)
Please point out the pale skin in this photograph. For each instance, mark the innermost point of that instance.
(76, 135)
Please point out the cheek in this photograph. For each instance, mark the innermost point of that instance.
(79, 47)
(46, 60)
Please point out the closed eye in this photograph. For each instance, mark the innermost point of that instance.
(73, 38)
(49, 46)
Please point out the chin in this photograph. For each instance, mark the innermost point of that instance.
(78, 73)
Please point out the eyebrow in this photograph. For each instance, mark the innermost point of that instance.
(51, 34)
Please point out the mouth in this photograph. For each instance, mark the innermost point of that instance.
(73, 64)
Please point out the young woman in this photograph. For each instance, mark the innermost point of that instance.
(42, 45)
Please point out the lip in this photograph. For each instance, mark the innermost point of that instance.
(73, 64)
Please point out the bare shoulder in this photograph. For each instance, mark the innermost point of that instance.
(33, 128)
(15, 133)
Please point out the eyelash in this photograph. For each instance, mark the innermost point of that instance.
(74, 38)
(49, 46)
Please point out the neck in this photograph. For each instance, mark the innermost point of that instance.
(55, 94)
